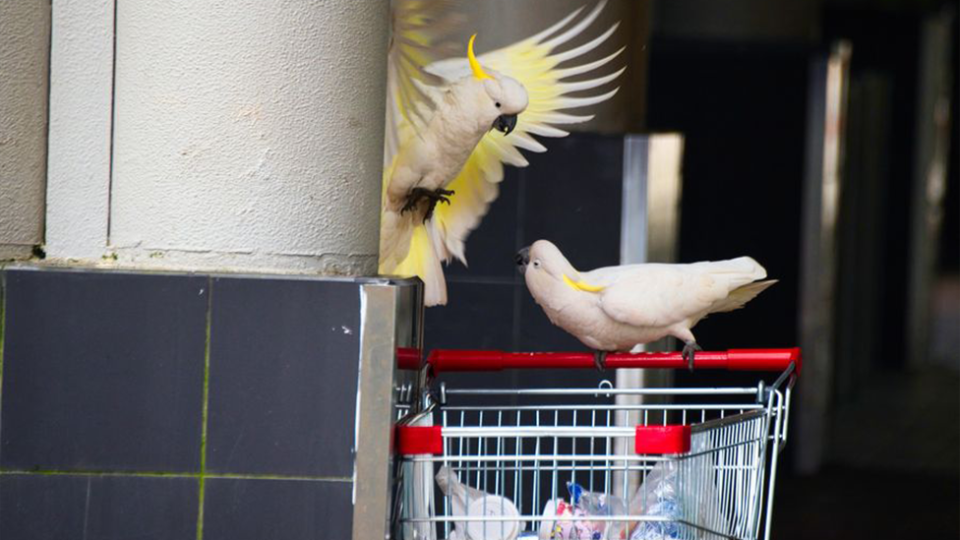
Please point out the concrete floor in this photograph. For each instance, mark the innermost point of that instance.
(894, 466)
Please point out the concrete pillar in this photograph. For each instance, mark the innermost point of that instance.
(81, 115)
(24, 46)
(247, 136)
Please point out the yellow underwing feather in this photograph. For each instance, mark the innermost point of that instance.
(416, 76)
(422, 261)
(533, 62)
(418, 37)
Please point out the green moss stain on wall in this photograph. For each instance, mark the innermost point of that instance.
(206, 402)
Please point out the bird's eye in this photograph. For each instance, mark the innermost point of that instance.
(536, 263)
(497, 104)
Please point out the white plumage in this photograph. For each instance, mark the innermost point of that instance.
(439, 116)
(618, 307)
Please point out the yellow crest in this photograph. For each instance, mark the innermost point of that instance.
(474, 64)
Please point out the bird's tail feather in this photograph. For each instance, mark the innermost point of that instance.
(736, 272)
(741, 265)
(741, 295)
(396, 231)
(422, 261)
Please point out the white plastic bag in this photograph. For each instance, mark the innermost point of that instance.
(467, 501)
(594, 504)
(658, 496)
(565, 529)
(691, 497)
(420, 475)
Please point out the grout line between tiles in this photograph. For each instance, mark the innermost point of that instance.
(206, 403)
(165, 474)
(143, 474)
(229, 476)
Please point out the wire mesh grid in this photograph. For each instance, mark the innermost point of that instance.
(514, 466)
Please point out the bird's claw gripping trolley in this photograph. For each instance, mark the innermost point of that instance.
(559, 463)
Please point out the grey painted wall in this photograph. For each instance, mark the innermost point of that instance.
(24, 46)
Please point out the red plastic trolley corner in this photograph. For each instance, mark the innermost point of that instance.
(413, 440)
(662, 439)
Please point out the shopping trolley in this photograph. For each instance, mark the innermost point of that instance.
(601, 462)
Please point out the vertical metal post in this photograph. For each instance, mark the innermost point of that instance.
(929, 177)
(650, 225)
(390, 317)
(821, 199)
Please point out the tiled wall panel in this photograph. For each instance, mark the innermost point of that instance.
(179, 406)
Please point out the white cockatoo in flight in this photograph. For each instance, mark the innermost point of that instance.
(452, 124)
(618, 307)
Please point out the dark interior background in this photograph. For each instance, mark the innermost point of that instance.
(739, 97)
(570, 196)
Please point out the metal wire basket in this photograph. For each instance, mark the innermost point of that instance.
(559, 463)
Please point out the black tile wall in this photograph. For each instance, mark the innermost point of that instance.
(142, 507)
(240, 509)
(47, 507)
(283, 377)
(102, 401)
(491, 247)
(481, 317)
(102, 371)
(573, 196)
(743, 172)
(41, 507)
(482, 312)
(490, 307)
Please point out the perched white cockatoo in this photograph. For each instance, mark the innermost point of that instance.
(452, 124)
(618, 307)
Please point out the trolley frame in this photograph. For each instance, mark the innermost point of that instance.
(721, 445)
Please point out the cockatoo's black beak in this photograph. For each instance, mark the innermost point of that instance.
(522, 259)
(505, 123)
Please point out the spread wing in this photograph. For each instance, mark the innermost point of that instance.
(418, 38)
(535, 63)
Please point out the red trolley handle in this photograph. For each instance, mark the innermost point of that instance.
(448, 360)
(671, 439)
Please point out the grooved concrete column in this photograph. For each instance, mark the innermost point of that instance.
(248, 135)
(81, 113)
(24, 47)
